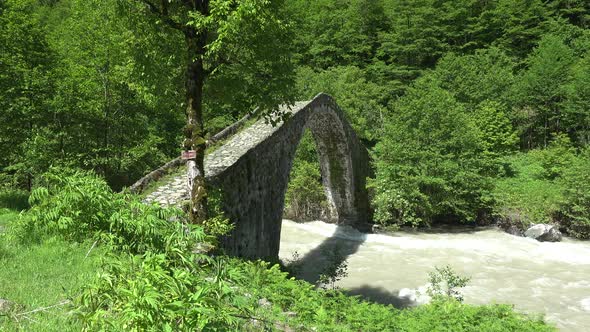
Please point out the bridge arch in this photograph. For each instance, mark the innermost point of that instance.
(252, 169)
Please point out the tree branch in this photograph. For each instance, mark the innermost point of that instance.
(163, 15)
(62, 303)
(220, 61)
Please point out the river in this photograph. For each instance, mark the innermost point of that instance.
(552, 279)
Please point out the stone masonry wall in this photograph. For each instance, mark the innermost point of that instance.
(252, 169)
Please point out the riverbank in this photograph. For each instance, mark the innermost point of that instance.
(537, 277)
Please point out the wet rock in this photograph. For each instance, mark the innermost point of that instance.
(255, 323)
(513, 230)
(543, 233)
(377, 229)
(283, 327)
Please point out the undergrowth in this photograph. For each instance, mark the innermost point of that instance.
(42, 279)
(14, 199)
(526, 196)
(151, 277)
(547, 186)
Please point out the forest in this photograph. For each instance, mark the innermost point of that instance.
(474, 112)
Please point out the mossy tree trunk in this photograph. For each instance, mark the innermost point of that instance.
(194, 133)
(225, 36)
(195, 43)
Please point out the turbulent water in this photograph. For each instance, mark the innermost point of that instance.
(552, 279)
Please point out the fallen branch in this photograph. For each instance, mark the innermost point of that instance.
(88, 253)
(62, 303)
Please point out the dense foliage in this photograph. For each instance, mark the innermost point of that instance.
(434, 166)
(100, 85)
(82, 206)
(144, 283)
(441, 91)
(575, 205)
(473, 111)
(446, 91)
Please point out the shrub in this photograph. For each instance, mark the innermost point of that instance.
(452, 315)
(526, 196)
(444, 284)
(78, 206)
(557, 157)
(429, 163)
(159, 292)
(156, 281)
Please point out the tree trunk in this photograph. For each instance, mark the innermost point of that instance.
(194, 131)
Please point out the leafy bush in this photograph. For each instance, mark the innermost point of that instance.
(79, 205)
(155, 280)
(429, 164)
(547, 186)
(525, 195)
(452, 315)
(161, 292)
(558, 156)
(444, 284)
(331, 310)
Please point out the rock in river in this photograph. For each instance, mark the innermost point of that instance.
(543, 233)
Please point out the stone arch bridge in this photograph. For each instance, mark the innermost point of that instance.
(252, 170)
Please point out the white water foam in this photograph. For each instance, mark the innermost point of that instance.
(497, 243)
(537, 277)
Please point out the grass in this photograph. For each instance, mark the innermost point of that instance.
(41, 275)
(6, 216)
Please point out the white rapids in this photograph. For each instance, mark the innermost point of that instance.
(552, 279)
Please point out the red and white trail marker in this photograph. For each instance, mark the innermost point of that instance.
(190, 154)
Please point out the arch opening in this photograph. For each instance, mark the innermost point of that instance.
(306, 197)
(255, 181)
(320, 183)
